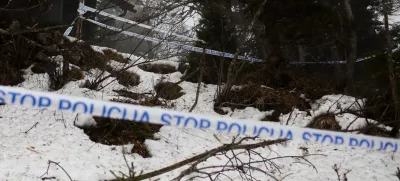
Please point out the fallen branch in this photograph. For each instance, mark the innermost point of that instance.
(58, 164)
(206, 155)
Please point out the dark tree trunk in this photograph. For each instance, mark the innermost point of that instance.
(393, 83)
(351, 46)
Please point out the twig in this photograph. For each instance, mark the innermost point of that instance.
(32, 127)
(199, 80)
(58, 164)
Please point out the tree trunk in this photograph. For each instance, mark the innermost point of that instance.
(340, 82)
(393, 83)
(351, 47)
(302, 54)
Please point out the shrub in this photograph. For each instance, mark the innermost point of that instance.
(9, 75)
(38, 69)
(168, 90)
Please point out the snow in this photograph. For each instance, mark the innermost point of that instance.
(84, 120)
(55, 136)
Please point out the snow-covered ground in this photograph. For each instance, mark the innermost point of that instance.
(24, 154)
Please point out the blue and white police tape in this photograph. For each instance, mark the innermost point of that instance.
(136, 113)
(69, 29)
(82, 7)
(174, 44)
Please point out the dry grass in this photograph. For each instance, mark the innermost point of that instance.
(76, 74)
(83, 55)
(111, 55)
(325, 121)
(374, 130)
(158, 68)
(168, 90)
(127, 78)
(129, 94)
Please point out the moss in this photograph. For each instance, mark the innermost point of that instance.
(325, 121)
(168, 90)
(158, 68)
(111, 55)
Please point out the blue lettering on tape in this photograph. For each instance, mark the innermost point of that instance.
(306, 136)
(339, 140)
(233, 125)
(44, 102)
(386, 145)
(84, 106)
(328, 139)
(23, 99)
(145, 117)
(179, 118)
(259, 131)
(353, 142)
(2, 93)
(111, 109)
(166, 119)
(64, 104)
(322, 138)
(204, 124)
(289, 135)
(190, 119)
(222, 126)
(364, 142)
(13, 96)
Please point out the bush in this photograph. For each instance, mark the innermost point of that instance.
(325, 121)
(9, 75)
(168, 90)
(126, 78)
(38, 69)
(111, 55)
(158, 68)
